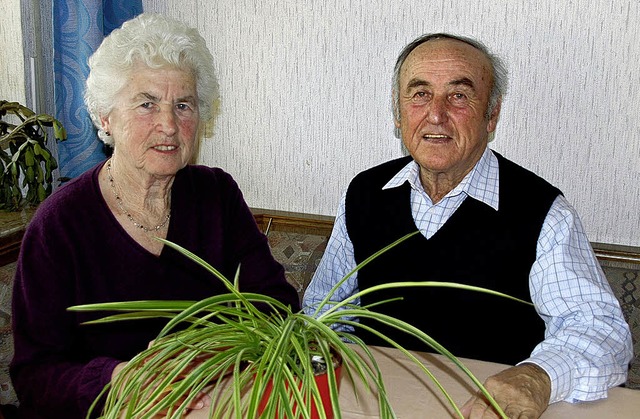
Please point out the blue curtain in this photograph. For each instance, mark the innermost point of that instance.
(79, 26)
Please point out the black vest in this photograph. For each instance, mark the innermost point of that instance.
(476, 246)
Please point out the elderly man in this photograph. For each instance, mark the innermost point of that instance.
(485, 221)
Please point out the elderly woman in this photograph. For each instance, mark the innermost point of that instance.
(151, 87)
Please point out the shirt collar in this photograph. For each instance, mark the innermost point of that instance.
(481, 183)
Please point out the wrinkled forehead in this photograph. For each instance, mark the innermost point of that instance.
(439, 60)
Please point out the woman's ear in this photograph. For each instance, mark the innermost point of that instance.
(104, 123)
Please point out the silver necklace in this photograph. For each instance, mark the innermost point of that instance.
(127, 213)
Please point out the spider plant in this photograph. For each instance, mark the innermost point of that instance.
(241, 345)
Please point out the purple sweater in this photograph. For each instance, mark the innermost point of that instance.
(75, 252)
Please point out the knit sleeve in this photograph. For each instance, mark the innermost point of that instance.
(48, 373)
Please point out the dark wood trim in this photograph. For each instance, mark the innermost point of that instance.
(12, 227)
(10, 247)
(270, 220)
(617, 253)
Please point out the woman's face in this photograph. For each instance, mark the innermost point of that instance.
(154, 121)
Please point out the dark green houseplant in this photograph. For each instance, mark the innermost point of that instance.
(26, 162)
(241, 351)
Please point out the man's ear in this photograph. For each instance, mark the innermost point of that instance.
(395, 107)
(492, 123)
(396, 130)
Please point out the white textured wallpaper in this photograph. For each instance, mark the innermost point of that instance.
(306, 94)
(11, 58)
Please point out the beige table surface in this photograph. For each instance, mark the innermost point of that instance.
(413, 395)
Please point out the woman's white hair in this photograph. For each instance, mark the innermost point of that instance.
(156, 41)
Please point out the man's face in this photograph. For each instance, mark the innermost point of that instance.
(444, 89)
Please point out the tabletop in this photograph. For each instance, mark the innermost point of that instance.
(413, 395)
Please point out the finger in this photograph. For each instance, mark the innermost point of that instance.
(202, 401)
(474, 407)
(466, 408)
(479, 408)
(519, 413)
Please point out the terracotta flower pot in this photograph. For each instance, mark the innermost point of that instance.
(322, 380)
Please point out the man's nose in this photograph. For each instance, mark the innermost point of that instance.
(437, 110)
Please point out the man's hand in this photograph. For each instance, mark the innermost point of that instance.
(522, 392)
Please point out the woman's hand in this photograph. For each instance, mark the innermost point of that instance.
(201, 401)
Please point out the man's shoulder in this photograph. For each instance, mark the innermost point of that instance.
(382, 172)
(367, 186)
(515, 173)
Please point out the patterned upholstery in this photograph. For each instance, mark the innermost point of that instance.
(300, 255)
(625, 282)
(7, 395)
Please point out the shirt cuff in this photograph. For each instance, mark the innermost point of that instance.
(558, 367)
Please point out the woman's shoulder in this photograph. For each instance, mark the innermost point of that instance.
(206, 188)
(204, 176)
(73, 196)
(202, 170)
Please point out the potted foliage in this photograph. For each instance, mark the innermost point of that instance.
(255, 361)
(25, 160)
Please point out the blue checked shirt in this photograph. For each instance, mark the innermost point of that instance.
(587, 345)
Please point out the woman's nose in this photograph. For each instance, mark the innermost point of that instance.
(166, 121)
